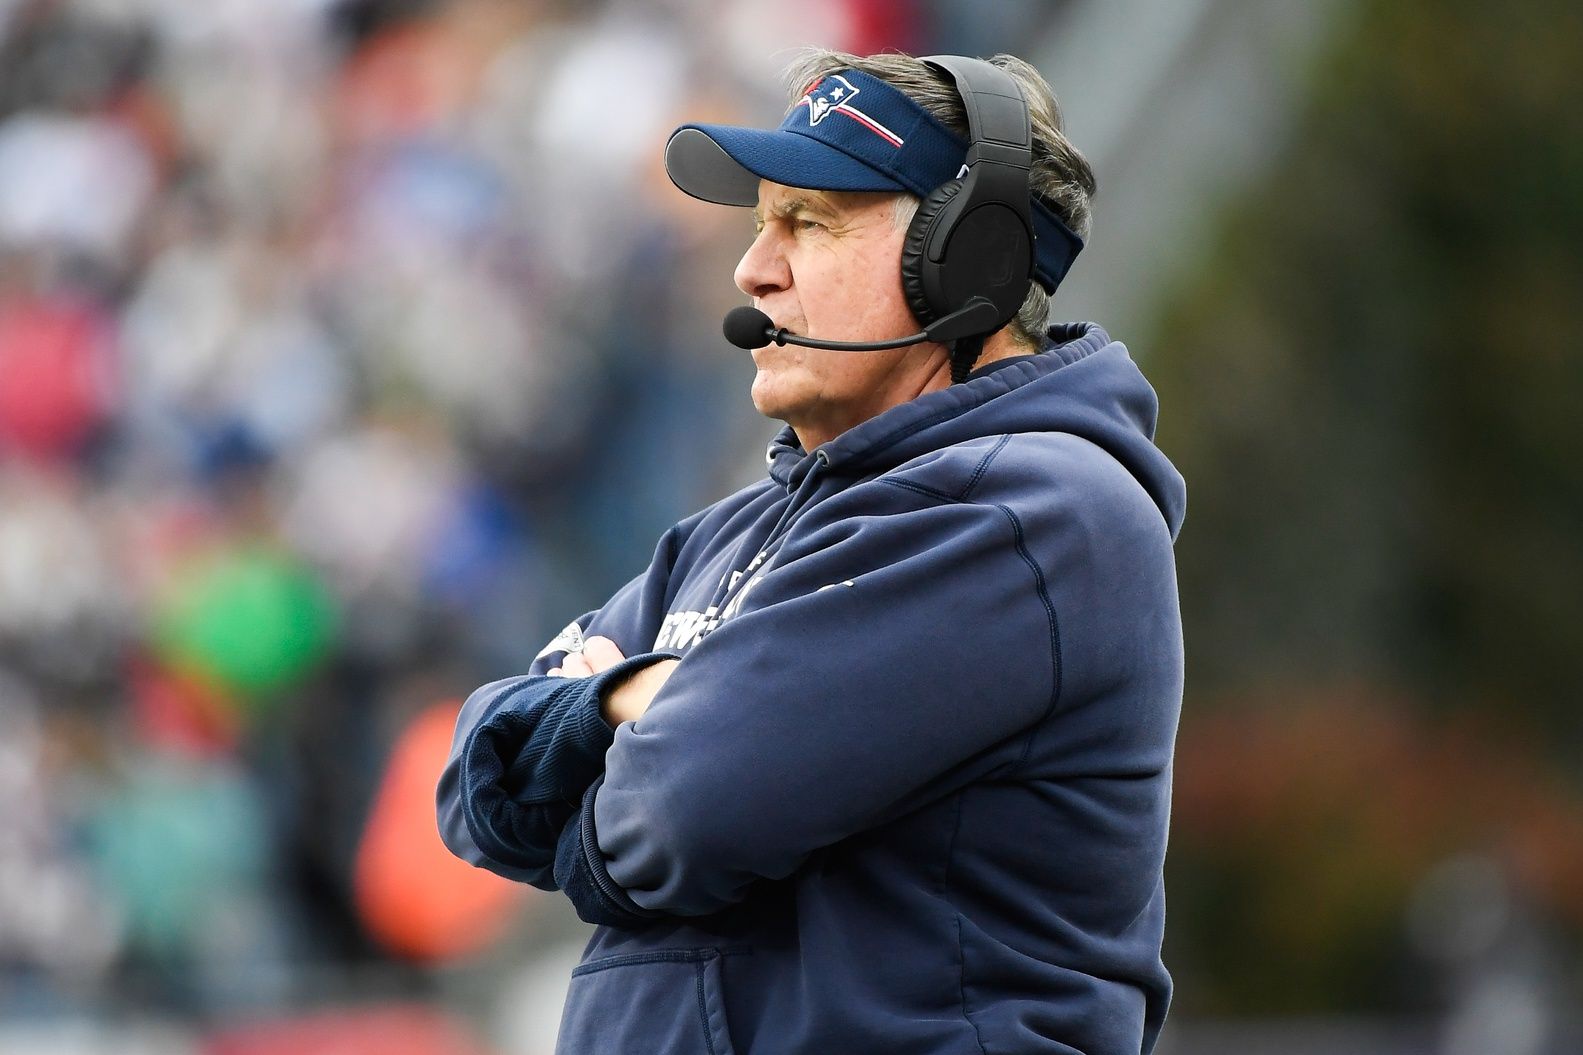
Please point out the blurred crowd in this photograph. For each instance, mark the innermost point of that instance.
(347, 350)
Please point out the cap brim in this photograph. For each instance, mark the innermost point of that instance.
(723, 164)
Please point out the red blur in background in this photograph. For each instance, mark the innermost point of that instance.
(414, 897)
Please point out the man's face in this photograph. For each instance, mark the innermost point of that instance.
(826, 264)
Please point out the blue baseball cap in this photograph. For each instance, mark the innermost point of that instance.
(851, 132)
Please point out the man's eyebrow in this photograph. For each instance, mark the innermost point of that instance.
(792, 206)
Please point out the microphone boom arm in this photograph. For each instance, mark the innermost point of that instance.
(978, 317)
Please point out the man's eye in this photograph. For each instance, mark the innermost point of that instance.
(805, 224)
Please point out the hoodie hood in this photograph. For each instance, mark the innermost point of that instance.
(1081, 382)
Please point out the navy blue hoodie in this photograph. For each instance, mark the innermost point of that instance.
(908, 788)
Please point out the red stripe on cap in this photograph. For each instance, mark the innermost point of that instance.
(868, 122)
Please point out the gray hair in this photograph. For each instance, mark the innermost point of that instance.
(1060, 175)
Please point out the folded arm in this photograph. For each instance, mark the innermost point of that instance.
(527, 747)
(863, 678)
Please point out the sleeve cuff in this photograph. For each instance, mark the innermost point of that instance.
(581, 874)
(525, 766)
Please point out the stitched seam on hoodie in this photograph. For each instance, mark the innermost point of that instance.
(1055, 628)
(703, 1010)
(961, 961)
(967, 490)
(983, 465)
(922, 489)
(1040, 587)
(945, 895)
(1055, 694)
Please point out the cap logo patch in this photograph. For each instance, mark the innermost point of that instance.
(827, 95)
(834, 94)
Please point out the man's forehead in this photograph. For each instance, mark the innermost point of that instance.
(775, 199)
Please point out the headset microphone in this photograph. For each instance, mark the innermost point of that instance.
(750, 328)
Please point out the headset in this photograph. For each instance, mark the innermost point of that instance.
(973, 235)
(968, 256)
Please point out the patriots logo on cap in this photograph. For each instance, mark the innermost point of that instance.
(834, 94)
(827, 95)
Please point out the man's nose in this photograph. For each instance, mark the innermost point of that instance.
(763, 268)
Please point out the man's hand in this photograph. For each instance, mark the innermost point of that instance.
(627, 701)
(598, 654)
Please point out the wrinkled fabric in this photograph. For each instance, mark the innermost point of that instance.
(908, 789)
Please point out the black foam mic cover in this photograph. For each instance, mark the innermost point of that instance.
(747, 327)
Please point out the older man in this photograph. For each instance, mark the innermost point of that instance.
(888, 769)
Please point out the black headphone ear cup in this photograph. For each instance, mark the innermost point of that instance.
(913, 259)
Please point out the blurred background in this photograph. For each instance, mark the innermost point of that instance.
(348, 348)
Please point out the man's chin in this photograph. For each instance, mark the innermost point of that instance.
(772, 395)
(765, 399)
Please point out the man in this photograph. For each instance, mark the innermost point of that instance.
(888, 769)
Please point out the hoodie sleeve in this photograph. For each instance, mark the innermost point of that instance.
(526, 748)
(523, 767)
(864, 675)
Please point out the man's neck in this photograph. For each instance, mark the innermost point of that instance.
(1000, 345)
